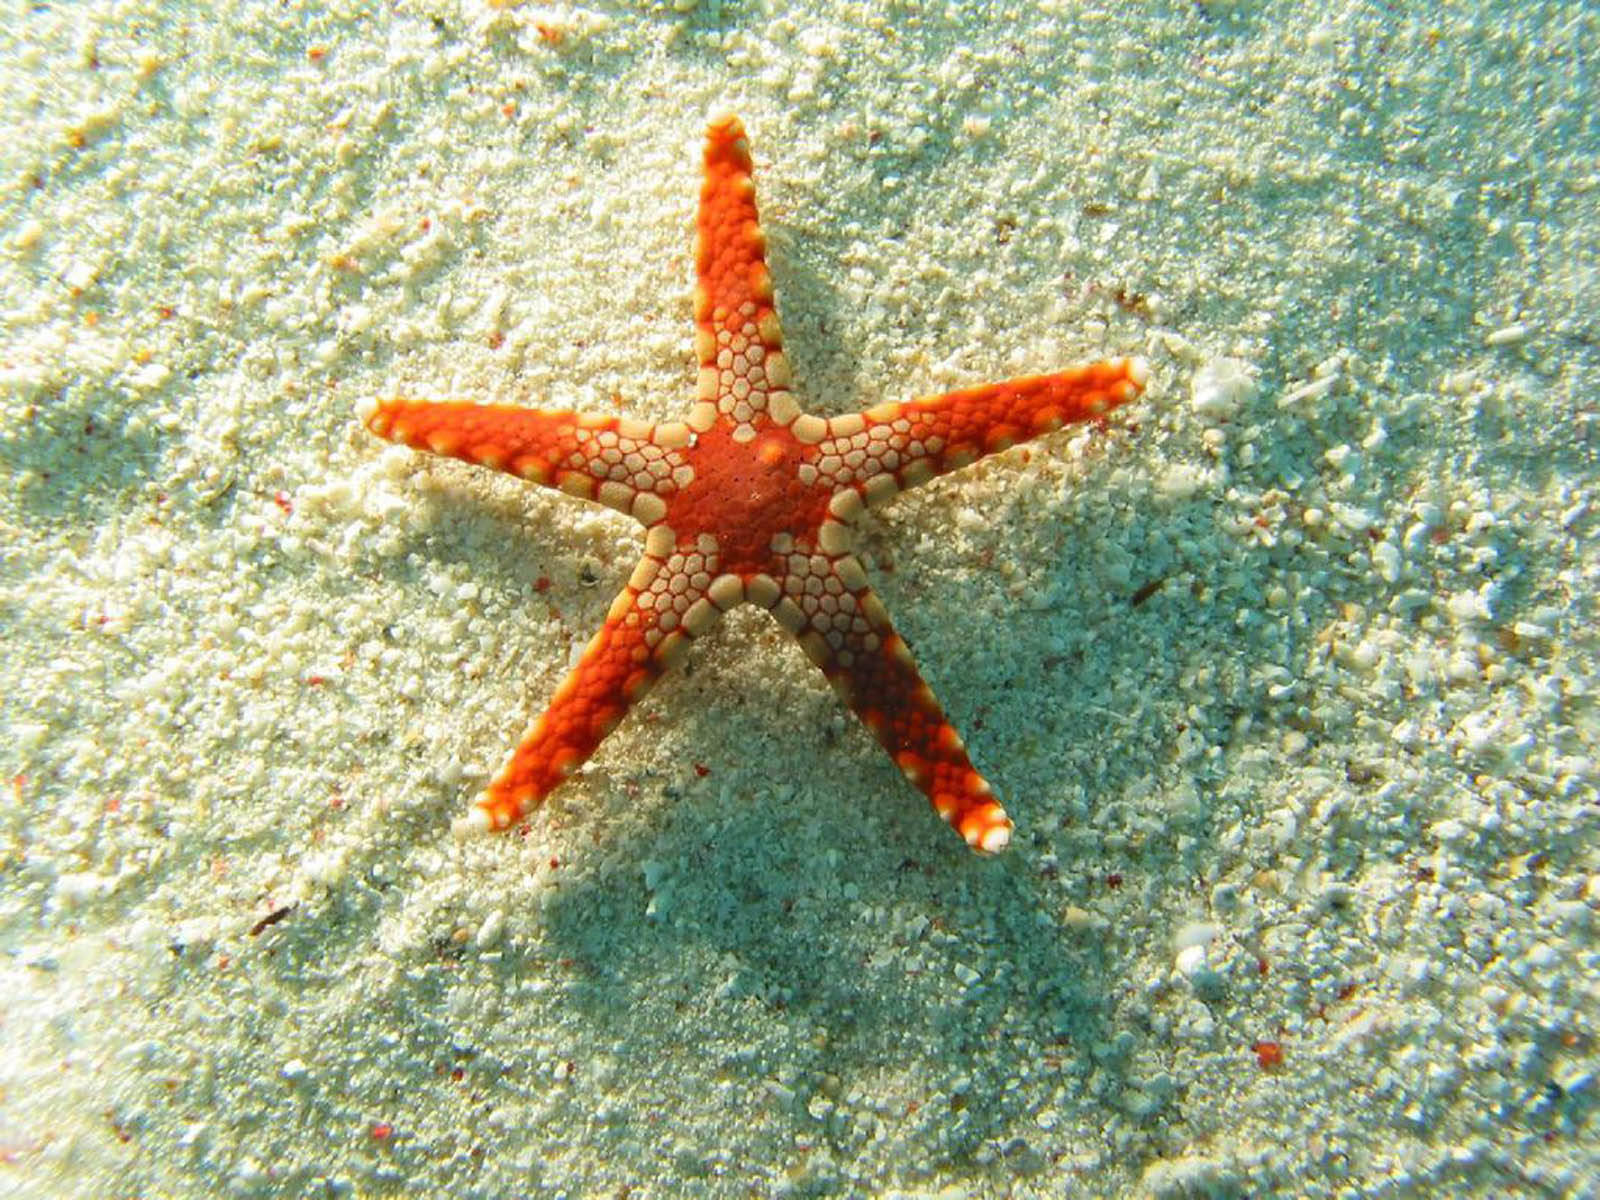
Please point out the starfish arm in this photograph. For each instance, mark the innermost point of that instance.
(744, 377)
(896, 446)
(631, 466)
(843, 628)
(666, 604)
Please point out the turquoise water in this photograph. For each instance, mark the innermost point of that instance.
(1285, 674)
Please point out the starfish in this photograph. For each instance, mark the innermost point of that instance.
(748, 500)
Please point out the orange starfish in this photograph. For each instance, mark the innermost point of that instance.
(749, 500)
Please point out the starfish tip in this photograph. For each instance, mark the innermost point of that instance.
(990, 839)
(996, 839)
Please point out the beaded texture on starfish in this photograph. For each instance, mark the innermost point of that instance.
(751, 501)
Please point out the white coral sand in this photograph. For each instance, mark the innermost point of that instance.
(1286, 676)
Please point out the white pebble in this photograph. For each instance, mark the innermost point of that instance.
(1507, 335)
(1467, 606)
(1220, 388)
(1195, 966)
(1196, 933)
(1353, 518)
(78, 276)
(1386, 560)
(1363, 656)
(27, 236)
(1308, 393)
(494, 925)
(1182, 480)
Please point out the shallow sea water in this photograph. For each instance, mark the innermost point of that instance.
(1286, 675)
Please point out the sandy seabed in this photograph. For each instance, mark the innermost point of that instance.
(1287, 675)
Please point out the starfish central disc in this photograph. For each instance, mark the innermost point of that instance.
(745, 494)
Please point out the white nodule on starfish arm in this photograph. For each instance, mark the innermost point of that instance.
(625, 464)
(895, 446)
